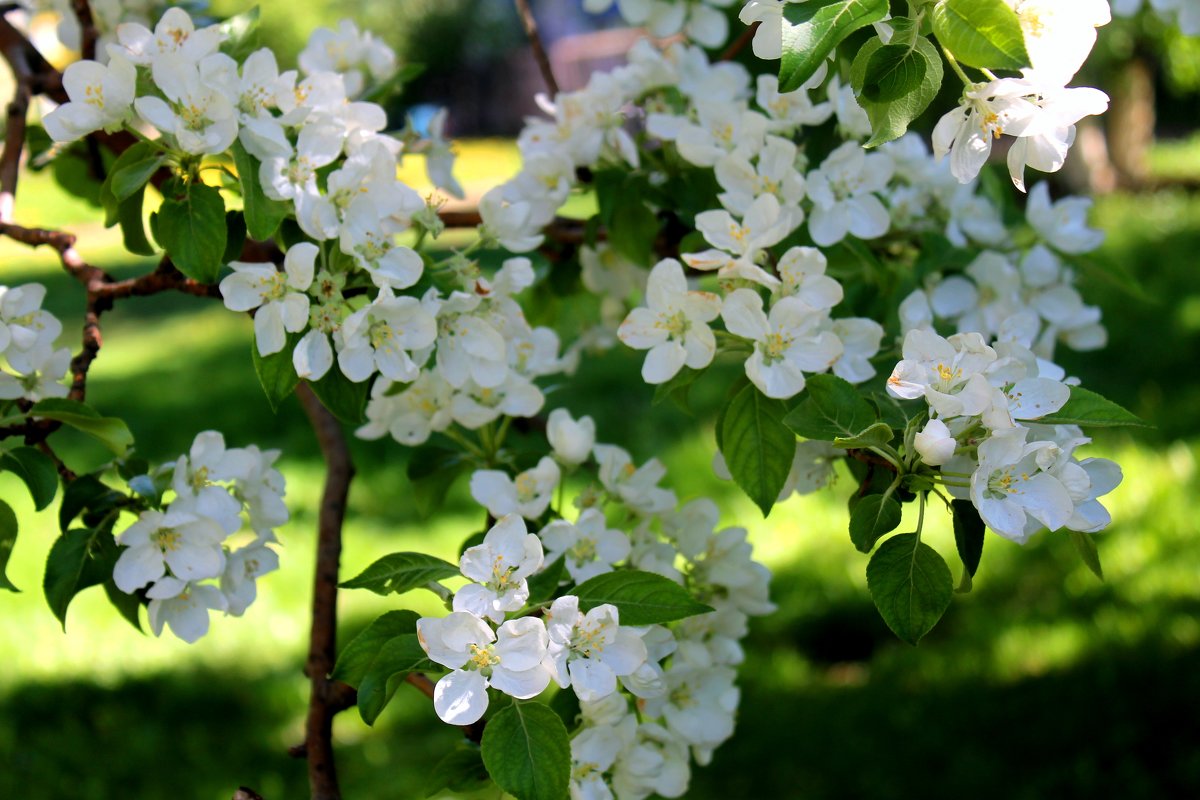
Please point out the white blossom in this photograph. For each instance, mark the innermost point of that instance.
(528, 494)
(500, 565)
(509, 660)
(673, 325)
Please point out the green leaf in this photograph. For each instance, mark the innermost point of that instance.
(401, 572)
(127, 605)
(86, 491)
(877, 435)
(129, 179)
(138, 153)
(1086, 546)
(981, 33)
(892, 71)
(758, 447)
(8, 540)
(235, 236)
(874, 516)
(1085, 407)
(834, 408)
(890, 118)
(133, 226)
(37, 471)
(263, 214)
(739, 383)
(910, 584)
(565, 703)
(432, 471)
(113, 433)
(544, 584)
(345, 399)
(78, 559)
(190, 226)
(812, 31)
(356, 658)
(677, 388)
(527, 752)
(968, 538)
(276, 372)
(461, 770)
(632, 227)
(239, 34)
(641, 598)
(398, 657)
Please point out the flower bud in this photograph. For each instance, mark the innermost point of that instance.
(935, 444)
(571, 439)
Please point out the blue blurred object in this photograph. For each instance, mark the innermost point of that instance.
(420, 116)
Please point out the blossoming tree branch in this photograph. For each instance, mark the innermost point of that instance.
(889, 304)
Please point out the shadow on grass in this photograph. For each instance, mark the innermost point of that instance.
(1119, 724)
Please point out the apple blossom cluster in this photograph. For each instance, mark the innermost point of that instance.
(106, 16)
(179, 555)
(703, 109)
(701, 21)
(294, 124)
(478, 361)
(1037, 109)
(651, 696)
(984, 403)
(27, 336)
(1184, 13)
(1022, 292)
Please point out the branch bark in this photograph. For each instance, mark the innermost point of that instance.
(535, 41)
(325, 699)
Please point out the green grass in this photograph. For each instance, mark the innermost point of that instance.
(1042, 682)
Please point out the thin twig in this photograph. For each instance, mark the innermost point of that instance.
(739, 44)
(87, 28)
(535, 41)
(323, 697)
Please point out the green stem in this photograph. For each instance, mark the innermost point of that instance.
(890, 455)
(954, 65)
(502, 433)
(465, 443)
(920, 514)
(442, 592)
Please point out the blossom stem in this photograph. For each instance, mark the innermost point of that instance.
(920, 514)
(954, 65)
(889, 455)
(502, 433)
(441, 591)
(465, 443)
(956, 484)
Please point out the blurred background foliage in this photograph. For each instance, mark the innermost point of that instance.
(1042, 682)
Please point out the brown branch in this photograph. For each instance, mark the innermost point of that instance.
(246, 794)
(324, 697)
(739, 44)
(87, 28)
(561, 229)
(535, 41)
(867, 457)
(63, 470)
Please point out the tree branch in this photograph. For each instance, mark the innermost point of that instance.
(87, 28)
(535, 41)
(325, 699)
(739, 44)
